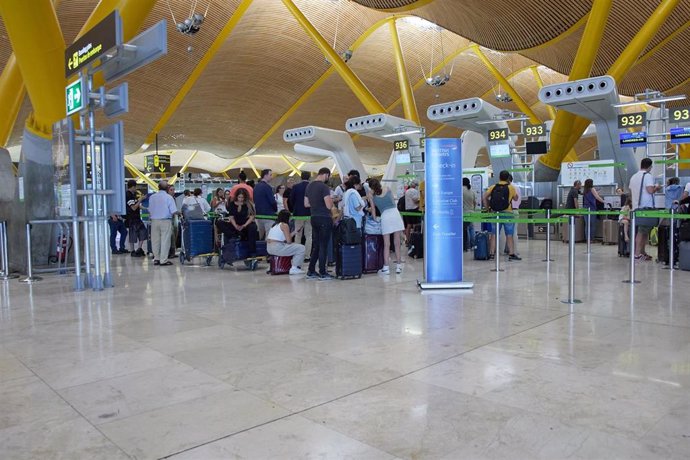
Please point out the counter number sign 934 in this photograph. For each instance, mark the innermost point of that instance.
(496, 135)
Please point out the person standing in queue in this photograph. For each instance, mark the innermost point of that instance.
(137, 230)
(572, 201)
(161, 211)
(318, 199)
(242, 184)
(497, 198)
(296, 206)
(265, 203)
(469, 203)
(590, 198)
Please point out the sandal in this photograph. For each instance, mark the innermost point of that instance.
(166, 263)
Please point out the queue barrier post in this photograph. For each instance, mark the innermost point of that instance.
(672, 242)
(589, 233)
(497, 237)
(30, 278)
(5, 271)
(571, 262)
(548, 237)
(633, 234)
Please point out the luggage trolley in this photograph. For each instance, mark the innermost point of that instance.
(236, 250)
(198, 240)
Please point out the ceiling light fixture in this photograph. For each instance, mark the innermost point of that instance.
(403, 133)
(654, 100)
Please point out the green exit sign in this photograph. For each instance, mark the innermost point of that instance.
(75, 98)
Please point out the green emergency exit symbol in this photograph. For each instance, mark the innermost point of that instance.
(74, 97)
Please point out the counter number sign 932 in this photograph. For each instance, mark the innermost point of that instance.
(630, 120)
(496, 135)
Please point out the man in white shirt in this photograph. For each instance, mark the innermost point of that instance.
(686, 191)
(642, 190)
(162, 208)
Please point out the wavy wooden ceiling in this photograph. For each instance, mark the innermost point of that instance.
(268, 62)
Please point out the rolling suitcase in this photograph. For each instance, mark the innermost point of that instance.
(279, 265)
(610, 231)
(623, 246)
(197, 237)
(664, 235)
(348, 261)
(416, 250)
(684, 255)
(684, 230)
(481, 246)
(372, 253)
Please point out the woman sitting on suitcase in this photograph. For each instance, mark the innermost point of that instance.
(279, 242)
(391, 222)
(240, 223)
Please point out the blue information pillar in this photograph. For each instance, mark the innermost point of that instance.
(443, 235)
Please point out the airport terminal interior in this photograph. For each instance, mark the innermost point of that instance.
(159, 157)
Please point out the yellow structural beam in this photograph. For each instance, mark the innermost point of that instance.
(299, 166)
(135, 172)
(370, 103)
(540, 84)
(522, 105)
(12, 93)
(628, 57)
(406, 92)
(225, 175)
(34, 32)
(132, 12)
(292, 166)
(184, 167)
(256, 171)
(582, 66)
(199, 69)
(303, 98)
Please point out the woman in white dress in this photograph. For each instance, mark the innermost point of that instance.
(391, 222)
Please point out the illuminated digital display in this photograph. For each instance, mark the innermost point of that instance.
(401, 145)
(498, 134)
(631, 120)
(499, 150)
(680, 135)
(535, 130)
(680, 115)
(638, 139)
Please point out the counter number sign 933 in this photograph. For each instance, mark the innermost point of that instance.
(496, 135)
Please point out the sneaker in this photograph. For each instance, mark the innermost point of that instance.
(385, 270)
(491, 257)
(156, 262)
(124, 251)
(514, 257)
(296, 271)
(326, 277)
(643, 257)
(398, 269)
(312, 276)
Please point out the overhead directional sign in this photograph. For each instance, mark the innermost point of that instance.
(157, 164)
(100, 39)
(75, 97)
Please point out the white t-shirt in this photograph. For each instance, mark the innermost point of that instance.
(687, 188)
(276, 234)
(646, 200)
(411, 198)
(338, 192)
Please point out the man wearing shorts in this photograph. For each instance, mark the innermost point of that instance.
(642, 190)
(498, 198)
(137, 230)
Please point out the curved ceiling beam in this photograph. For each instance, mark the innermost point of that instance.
(351, 80)
(36, 37)
(662, 43)
(198, 70)
(406, 8)
(302, 99)
(406, 91)
(519, 101)
(12, 93)
(540, 84)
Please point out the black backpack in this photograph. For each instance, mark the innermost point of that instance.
(401, 203)
(499, 200)
(347, 232)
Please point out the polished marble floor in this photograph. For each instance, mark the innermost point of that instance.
(190, 362)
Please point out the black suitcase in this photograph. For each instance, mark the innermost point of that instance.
(416, 250)
(664, 241)
(684, 230)
(348, 261)
(623, 246)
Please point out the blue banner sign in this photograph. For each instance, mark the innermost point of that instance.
(443, 211)
(636, 139)
(680, 135)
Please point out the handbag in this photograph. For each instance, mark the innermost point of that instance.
(372, 226)
(645, 221)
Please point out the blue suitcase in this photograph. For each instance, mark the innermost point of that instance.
(348, 261)
(197, 236)
(481, 246)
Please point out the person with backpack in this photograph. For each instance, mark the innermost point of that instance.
(498, 198)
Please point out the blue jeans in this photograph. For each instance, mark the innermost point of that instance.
(117, 226)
